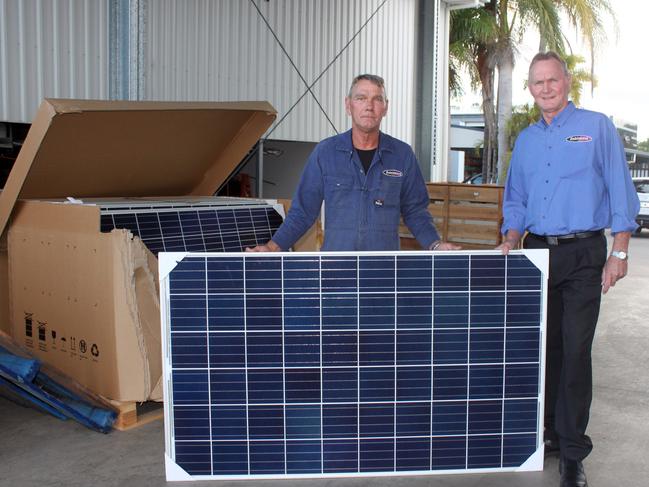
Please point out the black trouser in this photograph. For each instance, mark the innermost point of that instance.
(574, 295)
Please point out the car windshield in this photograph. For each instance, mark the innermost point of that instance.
(642, 186)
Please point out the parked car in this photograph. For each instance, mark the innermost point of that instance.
(642, 187)
(475, 179)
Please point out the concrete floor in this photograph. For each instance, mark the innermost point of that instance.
(38, 450)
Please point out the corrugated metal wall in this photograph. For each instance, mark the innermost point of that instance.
(225, 50)
(51, 48)
(218, 50)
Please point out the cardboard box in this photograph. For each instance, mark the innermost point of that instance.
(4, 287)
(84, 301)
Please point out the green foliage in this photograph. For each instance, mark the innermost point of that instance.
(471, 30)
(580, 77)
(644, 145)
(522, 117)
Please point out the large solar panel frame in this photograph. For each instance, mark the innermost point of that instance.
(289, 365)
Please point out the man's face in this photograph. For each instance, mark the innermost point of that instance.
(550, 87)
(367, 106)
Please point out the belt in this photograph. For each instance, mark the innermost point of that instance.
(567, 238)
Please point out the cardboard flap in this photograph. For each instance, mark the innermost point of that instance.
(88, 148)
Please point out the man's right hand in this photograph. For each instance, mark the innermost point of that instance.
(269, 246)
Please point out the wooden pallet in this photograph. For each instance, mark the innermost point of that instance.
(134, 414)
(466, 214)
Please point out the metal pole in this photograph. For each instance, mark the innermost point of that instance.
(425, 94)
(260, 169)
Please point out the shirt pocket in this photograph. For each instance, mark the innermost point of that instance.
(338, 191)
(387, 202)
(576, 159)
(390, 191)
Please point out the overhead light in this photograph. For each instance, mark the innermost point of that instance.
(460, 4)
(271, 151)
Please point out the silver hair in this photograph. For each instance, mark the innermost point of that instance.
(547, 56)
(373, 78)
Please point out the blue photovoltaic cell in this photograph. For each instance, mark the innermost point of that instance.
(302, 364)
(197, 229)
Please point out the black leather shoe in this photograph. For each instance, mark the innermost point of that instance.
(572, 473)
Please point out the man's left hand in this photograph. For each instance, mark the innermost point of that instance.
(448, 246)
(614, 270)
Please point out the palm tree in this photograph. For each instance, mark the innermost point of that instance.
(513, 18)
(483, 40)
(472, 34)
(496, 48)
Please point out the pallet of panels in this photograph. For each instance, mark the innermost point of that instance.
(98, 189)
(87, 271)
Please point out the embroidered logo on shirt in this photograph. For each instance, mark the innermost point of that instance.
(579, 138)
(393, 173)
(378, 203)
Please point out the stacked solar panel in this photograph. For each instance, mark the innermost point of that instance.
(204, 225)
(353, 363)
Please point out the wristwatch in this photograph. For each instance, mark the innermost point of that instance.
(620, 254)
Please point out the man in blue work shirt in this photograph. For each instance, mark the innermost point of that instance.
(366, 179)
(568, 180)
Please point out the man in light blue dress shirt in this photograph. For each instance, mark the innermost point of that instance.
(568, 181)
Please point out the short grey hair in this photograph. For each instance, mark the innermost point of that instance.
(547, 56)
(372, 78)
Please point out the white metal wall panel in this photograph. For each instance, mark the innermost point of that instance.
(223, 50)
(51, 48)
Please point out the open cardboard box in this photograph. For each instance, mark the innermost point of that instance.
(84, 301)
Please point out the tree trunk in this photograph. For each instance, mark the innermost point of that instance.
(505, 75)
(486, 69)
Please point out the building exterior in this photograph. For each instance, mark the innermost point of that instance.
(298, 55)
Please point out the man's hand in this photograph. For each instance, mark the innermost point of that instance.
(510, 242)
(615, 269)
(269, 246)
(447, 246)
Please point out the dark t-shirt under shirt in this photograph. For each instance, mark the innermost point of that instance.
(366, 157)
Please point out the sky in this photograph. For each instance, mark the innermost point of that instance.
(621, 69)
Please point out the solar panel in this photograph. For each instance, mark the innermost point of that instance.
(330, 364)
(198, 225)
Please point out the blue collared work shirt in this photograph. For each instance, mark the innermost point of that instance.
(569, 176)
(362, 211)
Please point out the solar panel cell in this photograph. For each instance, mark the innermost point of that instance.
(340, 456)
(412, 454)
(339, 384)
